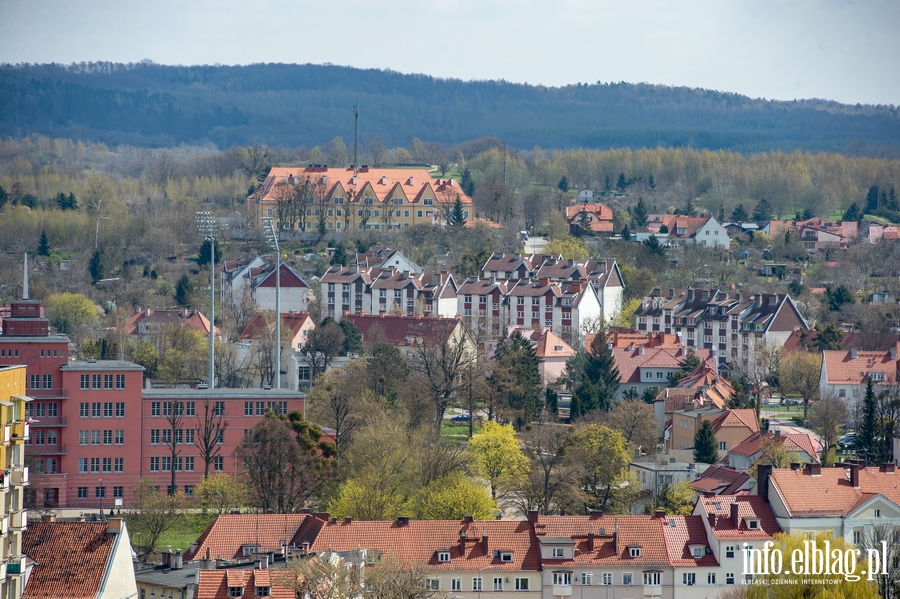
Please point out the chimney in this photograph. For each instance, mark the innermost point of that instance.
(348, 520)
(659, 514)
(114, 525)
(323, 516)
(49, 518)
(712, 519)
(735, 518)
(853, 353)
(762, 488)
(795, 466)
(887, 468)
(590, 539)
(176, 561)
(384, 179)
(814, 469)
(533, 515)
(402, 520)
(640, 350)
(737, 297)
(757, 300)
(773, 299)
(616, 537)
(854, 475)
(690, 295)
(412, 181)
(894, 354)
(671, 293)
(484, 540)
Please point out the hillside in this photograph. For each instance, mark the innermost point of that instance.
(290, 105)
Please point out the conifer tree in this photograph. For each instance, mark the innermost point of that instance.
(43, 245)
(639, 214)
(600, 377)
(96, 266)
(852, 213)
(705, 446)
(466, 183)
(872, 200)
(868, 439)
(739, 215)
(762, 211)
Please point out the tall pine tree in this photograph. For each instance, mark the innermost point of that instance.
(872, 200)
(516, 364)
(852, 213)
(762, 211)
(639, 214)
(739, 215)
(43, 245)
(599, 379)
(869, 444)
(705, 446)
(466, 183)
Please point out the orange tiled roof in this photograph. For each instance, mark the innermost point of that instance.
(721, 480)
(213, 584)
(737, 417)
(723, 525)
(227, 534)
(794, 442)
(629, 360)
(681, 532)
(419, 540)
(72, 559)
(609, 549)
(600, 216)
(830, 493)
(842, 368)
(291, 322)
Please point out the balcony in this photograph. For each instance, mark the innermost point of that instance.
(57, 393)
(562, 590)
(14, 566)
(652, 590)
(45, 422)
(53, 449)
(18, 520)
(20, 476)
(4, 528)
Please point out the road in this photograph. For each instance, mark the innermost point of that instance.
(534, 245)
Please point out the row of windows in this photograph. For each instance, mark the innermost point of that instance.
(101, 409)
(182, 464)
(101, 465)
(102, 381)
(48, 465)
(8, 353)
(34, 381)
(181, 408)
(99, 492)
(606, 578)
(107, 437)
(521, 584)
(39, 437)
(279, 407)
(187, 436)
(42, 409)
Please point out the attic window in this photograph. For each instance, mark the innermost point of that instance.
(263, 591)
(753, 524)
(443, 556)
(506, 556)
(235, 591)
(557, 348)
(697, 552)
(634, 551)
(249, 550)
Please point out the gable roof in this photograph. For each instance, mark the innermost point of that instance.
(402, 330)
(737, 417)
(72, 559)
(228, 533)
(291, 323)
(160, 319)
(213, 584)
(721, 516)
(831, 493)
(722, 480)
(681, 532)
(630, 359)
(604, 540)
(600, 216)
(852, 367)
(757, 443)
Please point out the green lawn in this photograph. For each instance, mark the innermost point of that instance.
(180, 536)
(458, 433)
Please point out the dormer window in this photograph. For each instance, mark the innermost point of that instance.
(557, 552)
(634, 551)
(506, 556)
(235, 592)
(753, 524)
(263, 591)
(443, 556)
(249, 550)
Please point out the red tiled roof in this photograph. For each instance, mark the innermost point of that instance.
(757, 443)
(291, 323)
(721, 480)
(419, 540)
(72, 559)
(830, 494)
(609, 548)
(213, 584)
(227, 534)
(600, 215)
(687, 531)
(841, 368)
(628, 361)
(737, 417)
(749, 506)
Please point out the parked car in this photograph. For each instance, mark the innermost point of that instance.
(848, 441)
(461, 418)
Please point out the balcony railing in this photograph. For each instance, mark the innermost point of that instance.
(562, 590)
(58, 392)
(20, 476)
(18, 520)
(652, 590)
(55, 448)
(45, 421)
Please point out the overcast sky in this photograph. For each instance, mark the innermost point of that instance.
(845, 50)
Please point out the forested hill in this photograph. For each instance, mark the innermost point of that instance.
(280, 104)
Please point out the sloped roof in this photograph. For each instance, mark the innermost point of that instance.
(213, 584)
(842, 369)
(166, 318)
(419, 540)
(72, 559)
(643, 531)
(601, 216)
(291, 323)
(227, 534)
(722, 480)
(723, 525)
(629, 360)
(759, 441)
(680, 533)
(737, 417)
(830, 493)
(402, 330)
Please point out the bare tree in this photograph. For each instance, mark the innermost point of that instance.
(877, 538)
(173, 411)
(211, 425)
(758, 364)
(377, 151)
(340, 400)
(153, 514)
(323, 576)
(323, 344)
(231, 371)
(551, 484)
(827, 416)
(634, 419)
(799, 372)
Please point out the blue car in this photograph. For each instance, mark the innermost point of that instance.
(461, 418)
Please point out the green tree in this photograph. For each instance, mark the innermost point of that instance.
(852, 213)
(153, 513)
(762, 211)
(827, 416)
(206, 251)
(705, 445)
(184, 289)
(603, 455)
(837, 297)
(639, 214)
(678, 498)
(222, 492)
(654, 246)
(352, 338)
(626, 233)
(67, 202)
(621, 183)
(466, 183)
(456, 217)
(69, 311)
(799, 373)
(869, 444)
(599, 378)
(96, 265)
(563, 184)
(872, 200)
(451, 498)
(4, 197)
(634, 419)
(571, 248)
(517, 377)
(651, 182)
(739, 215)
(43, 244)
(828, 337)
(497, 453)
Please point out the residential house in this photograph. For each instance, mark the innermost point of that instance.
(702, 388)
(658, 472)
(731, 521)
(240, 536)
(801, 446)
(731, 427)
(818, 234)
(173, 576)
(13, 479)
(597, 217)
(234, 278)
(294, 290)
(410, 333)
(257, 583)
(690, 230)
(722, 480)
(551, 349)
(299, 198)
(258, 336)
(643, 368)
(462, 557)
(849, 500)
(845, 373)
(383, 256)
(150, 325)
(78, 559)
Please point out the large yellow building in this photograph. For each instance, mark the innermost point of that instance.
(299, 198)
(13, 479)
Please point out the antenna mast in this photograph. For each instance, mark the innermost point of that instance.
(356, 137)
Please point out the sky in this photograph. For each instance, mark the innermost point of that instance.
(843, 50)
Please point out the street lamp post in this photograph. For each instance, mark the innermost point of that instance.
(207, 226)
(100, 494)
(272, 240)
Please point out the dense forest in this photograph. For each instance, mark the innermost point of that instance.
(146, 104)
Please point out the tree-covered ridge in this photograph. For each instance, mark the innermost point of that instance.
(284, 104)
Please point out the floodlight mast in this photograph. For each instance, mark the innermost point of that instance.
(206, 223)
(272, 240)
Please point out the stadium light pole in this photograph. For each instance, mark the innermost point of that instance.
(206, 223)
(272, 240)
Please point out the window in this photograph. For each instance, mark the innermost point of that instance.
(82, 437)
(729, 551)
(506, 556)
(218, 464)
(119, 464)
(95, 381)
(82, 466)
(220, 408)
(95, 464)
(34, 381)
(189, 464)
(95, 409)
(433, 584)
(729, 578)
(120, 437)
(634, 551)
(167, 408)
(443, 556)
(154, 436)
(107, 464)
(235, 592)
(711, 578)
(697, 552)
(52, 409)
(878, 513)
(120, 381)
(107, 409)
(166, 435)
(754, 524)
(154, 408)
(521, 584)
(189, 436)
(476, 583)
(118, 491)
(562, 578)
(82, 492)
(107, 381)
(107, 437)
(689, 579)
(260, 408)
(120, 409)
(627, 579)
(652, 578)
(48, 381)
(95, 437)
(498, 583)
(557, 552)
(723, 446)
(248, 408)
(260, 591)
(85, 381)
(190, 408)
(154, 464)
(83, 410)
(606, 579)
(456, 584)
(167, 464)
